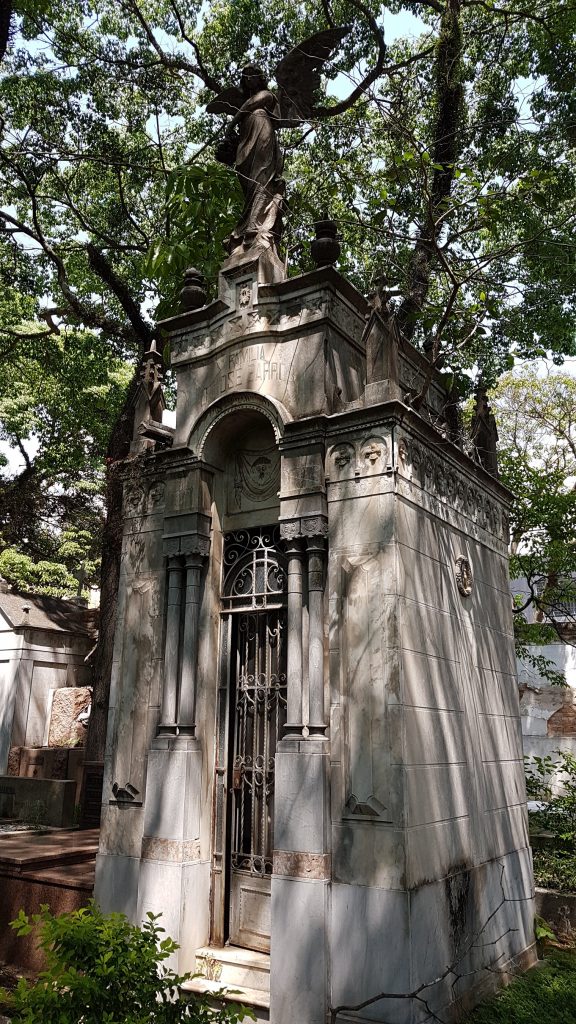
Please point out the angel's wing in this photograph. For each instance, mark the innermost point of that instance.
(228, 101)
(298, 73)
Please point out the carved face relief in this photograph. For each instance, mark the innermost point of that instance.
(134, 498)
(342, 457)
(341, 461)
(156, 494)
(403, 453)
(373, 455)
(464, 576)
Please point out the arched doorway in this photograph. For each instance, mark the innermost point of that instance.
(254, 623)
(251, 707)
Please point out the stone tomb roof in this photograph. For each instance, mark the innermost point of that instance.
(38, 611)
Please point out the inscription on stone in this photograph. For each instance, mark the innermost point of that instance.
(246, 367)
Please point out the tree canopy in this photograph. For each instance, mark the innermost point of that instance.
(447, 160)
(451, 175)
(536, 417)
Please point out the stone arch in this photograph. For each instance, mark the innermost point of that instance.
(245, 405)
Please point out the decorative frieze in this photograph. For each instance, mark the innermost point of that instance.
(442, 480)
(292, 864)
(308, 526)
(171, 850)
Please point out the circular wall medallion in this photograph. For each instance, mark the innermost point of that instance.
(464, 575)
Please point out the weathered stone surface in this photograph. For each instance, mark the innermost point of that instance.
(41, 801)
(404, 817)
(68, 718)
(13, 767)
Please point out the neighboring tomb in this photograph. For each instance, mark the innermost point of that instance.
(314, 743)
(44, 705)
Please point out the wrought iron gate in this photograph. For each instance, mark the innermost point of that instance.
(254, 597)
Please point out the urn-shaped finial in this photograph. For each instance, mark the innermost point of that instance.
(193, 294)
(325, 248)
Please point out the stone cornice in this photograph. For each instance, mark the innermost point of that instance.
(397, 414)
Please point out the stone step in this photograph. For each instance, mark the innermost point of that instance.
(234, 967)
(255, 999)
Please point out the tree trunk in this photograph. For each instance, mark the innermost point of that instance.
(118, 449)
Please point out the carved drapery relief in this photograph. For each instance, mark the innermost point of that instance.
(256, 475)
(362, 631)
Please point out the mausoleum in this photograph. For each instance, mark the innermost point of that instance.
(314, 763)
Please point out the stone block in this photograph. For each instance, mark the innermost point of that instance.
(431, 682)
(173, 794)
(301, 812)
(504, 784)
(433, 737)
(68, 721)
(497, 693)
(500, 738)
(122, 826)
(504, 830)
(116, 884)
(299, 954)
(437, 793)
(46, 801)
(371, 958)
(367, 853)
(181, 894)
(432, 850)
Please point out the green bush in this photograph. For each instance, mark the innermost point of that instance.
(103, 970)
(558, 817)
(555, 869)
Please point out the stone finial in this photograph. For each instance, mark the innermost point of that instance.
(152, 375)
(484, 434)
(325, 248)
(193, 294)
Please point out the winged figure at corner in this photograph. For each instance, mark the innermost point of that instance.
(251, 145)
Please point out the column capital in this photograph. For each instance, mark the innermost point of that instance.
(303, 527)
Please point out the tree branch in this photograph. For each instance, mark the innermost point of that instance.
(372, 76)
(170, 61)
(101, 266)
(449, 101)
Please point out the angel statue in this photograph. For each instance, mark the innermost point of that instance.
(251, 143)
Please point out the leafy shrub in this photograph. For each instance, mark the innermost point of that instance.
(555, 869)
(558, 815)
(103, 970)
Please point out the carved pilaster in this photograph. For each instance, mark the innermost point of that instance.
(316, 556)
(175, 574)
(295, 553)
(186, 555)
(186, 717)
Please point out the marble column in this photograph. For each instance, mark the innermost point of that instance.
(293, 727)
(175, 572)
(186, 716)
(315, 547)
